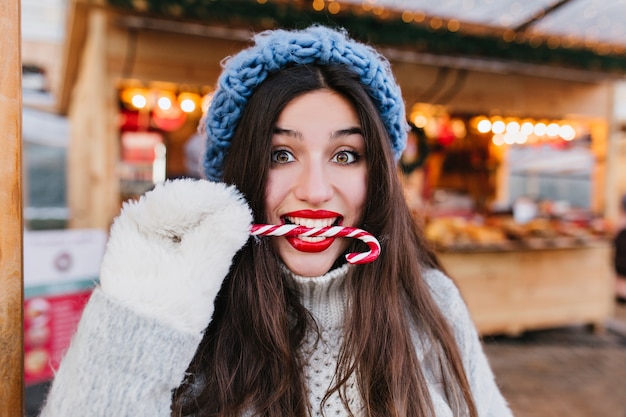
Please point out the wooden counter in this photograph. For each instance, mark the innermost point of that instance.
(510, 291)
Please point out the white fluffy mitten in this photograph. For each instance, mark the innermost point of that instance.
(169, 252)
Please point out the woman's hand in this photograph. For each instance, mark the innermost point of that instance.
(169, 252)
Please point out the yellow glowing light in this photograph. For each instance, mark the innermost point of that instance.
(540, 129)
(498, 140)
(510, 138)
(436, 23)
(527, 128)
(189, 102)
(419, 16)
(458, 128)
(139, 101)
(188, 105)
(512, 127)
(509, 35)
(318, 5)
(135, 97)
(553, 130)
(164, 103)
(454, 25)
(407, 16)
(334, 7)
(420, 121)
(567, 132)
(498, 127)
(484, 126)
(378, 10)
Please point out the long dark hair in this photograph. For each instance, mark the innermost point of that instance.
(249, 357)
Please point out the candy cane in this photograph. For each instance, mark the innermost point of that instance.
(328, 231)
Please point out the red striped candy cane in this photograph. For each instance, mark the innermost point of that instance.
(328, 231)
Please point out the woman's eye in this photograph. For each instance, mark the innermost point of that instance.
(282, 156)
(346, 157)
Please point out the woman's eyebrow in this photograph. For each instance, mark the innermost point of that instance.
(337, 134)
(287, 132)
(347, 132)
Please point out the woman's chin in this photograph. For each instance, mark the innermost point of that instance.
(308, 263)
(308, 267)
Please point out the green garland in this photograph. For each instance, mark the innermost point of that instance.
(370, 28)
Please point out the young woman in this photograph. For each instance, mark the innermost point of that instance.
(194, 317)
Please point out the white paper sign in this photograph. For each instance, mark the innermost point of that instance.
(62, 256)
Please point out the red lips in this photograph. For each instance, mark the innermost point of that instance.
(313, 214)
(307, 245)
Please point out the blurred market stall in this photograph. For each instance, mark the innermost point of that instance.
(515, 174)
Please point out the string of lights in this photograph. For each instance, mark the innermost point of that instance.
(413, 29)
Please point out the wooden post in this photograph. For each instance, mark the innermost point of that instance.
(93, 180)
(11, 222)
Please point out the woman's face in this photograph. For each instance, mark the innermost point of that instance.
(317, 178)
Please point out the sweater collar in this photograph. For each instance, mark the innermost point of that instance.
(326, 299)
(324, 296)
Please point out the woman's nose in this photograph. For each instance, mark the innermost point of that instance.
(313, 184)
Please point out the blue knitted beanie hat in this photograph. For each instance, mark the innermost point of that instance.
(274, 50)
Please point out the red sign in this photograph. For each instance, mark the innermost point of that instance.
(49, 322)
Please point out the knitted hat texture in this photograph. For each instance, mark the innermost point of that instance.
(274, 50)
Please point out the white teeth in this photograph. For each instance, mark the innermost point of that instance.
(312, 223)
(311, 238)
(306, 222)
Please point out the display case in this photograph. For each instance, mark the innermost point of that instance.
(511, 291)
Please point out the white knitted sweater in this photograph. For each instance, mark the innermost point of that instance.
(122, 364)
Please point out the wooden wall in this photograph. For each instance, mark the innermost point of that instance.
(11, 257)
(92, 181)
(152, 55)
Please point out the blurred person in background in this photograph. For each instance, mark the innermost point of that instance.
(619, 255)
(194, 149)
(411, 166)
